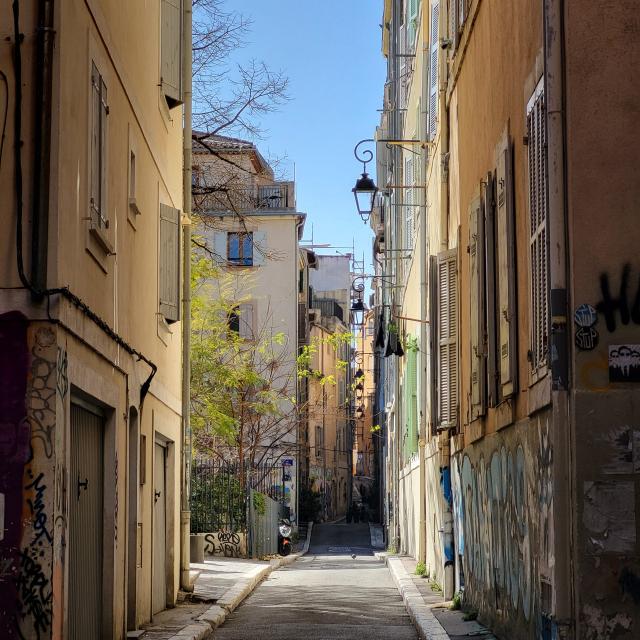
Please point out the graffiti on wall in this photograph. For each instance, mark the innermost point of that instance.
(502, 508)
(624, 363)
(624, 307)
(14, 453)
(225, 543)
(42, 390)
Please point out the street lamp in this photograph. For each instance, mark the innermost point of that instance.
(365, 190)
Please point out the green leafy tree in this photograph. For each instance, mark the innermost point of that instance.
(243, 406)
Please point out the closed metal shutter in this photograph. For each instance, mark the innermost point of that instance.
(86, 523)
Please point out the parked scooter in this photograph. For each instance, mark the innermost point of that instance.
(284, 537)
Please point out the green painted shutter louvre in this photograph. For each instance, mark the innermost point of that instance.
(447, 339)
(169, 263)
(433, 69)
(412, 20)
(259, 248)
(490, 275)
(477, 299)
(506, 268)
(171, 49)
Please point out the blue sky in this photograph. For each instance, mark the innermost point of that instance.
(331, 53)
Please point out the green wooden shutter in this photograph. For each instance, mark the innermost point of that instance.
(506, 268)
(169, 276)
(171, 49)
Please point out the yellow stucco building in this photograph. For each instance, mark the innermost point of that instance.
(90, 308)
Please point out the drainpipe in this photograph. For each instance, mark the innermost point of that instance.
(445, 447)
(563, 608)
(42, 147)
(185, 512)
(424, 294)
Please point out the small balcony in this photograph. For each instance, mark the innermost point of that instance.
(243, 198)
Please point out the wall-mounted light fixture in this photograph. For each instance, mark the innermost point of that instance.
(365, 189)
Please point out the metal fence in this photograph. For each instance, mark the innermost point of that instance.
(219, 501)
(264, 514)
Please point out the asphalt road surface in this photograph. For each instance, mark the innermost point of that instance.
(325, 595)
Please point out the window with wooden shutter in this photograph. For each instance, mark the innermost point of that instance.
(506, 268)
(260, 249)
(432, 113)
(409, 201)
(171, 51)
(412, 23)
(538, 237)
(240, 248)
(453, 23)
(477, 309)
(169, 261)
(411, 387)
(447, 339)
(488, 200)
(98, 178)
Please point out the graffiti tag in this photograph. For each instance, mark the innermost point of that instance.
(610, 305)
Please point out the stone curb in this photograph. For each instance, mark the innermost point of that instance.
(215, 615)
(421, 615)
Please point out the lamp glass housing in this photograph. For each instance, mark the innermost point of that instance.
(365, 194)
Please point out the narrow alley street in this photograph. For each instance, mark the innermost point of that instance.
(327, 594)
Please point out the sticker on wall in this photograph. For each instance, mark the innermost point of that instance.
(585, 316)
(624, 363)
(587, 338)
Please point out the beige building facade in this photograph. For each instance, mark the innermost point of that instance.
(522, 314)
(90, 313)
(251, 228)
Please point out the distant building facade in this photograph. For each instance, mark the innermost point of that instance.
(252, 228)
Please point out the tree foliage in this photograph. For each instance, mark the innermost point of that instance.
(243, 390)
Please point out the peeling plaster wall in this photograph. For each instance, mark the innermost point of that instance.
(503, 527)
(603, 196)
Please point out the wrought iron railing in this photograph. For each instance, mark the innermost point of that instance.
(219, 493)
(238, 198)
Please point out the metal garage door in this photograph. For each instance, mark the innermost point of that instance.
(85, 523)
(159, 528)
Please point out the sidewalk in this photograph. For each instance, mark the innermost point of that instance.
(427, 608)
(221, 584)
